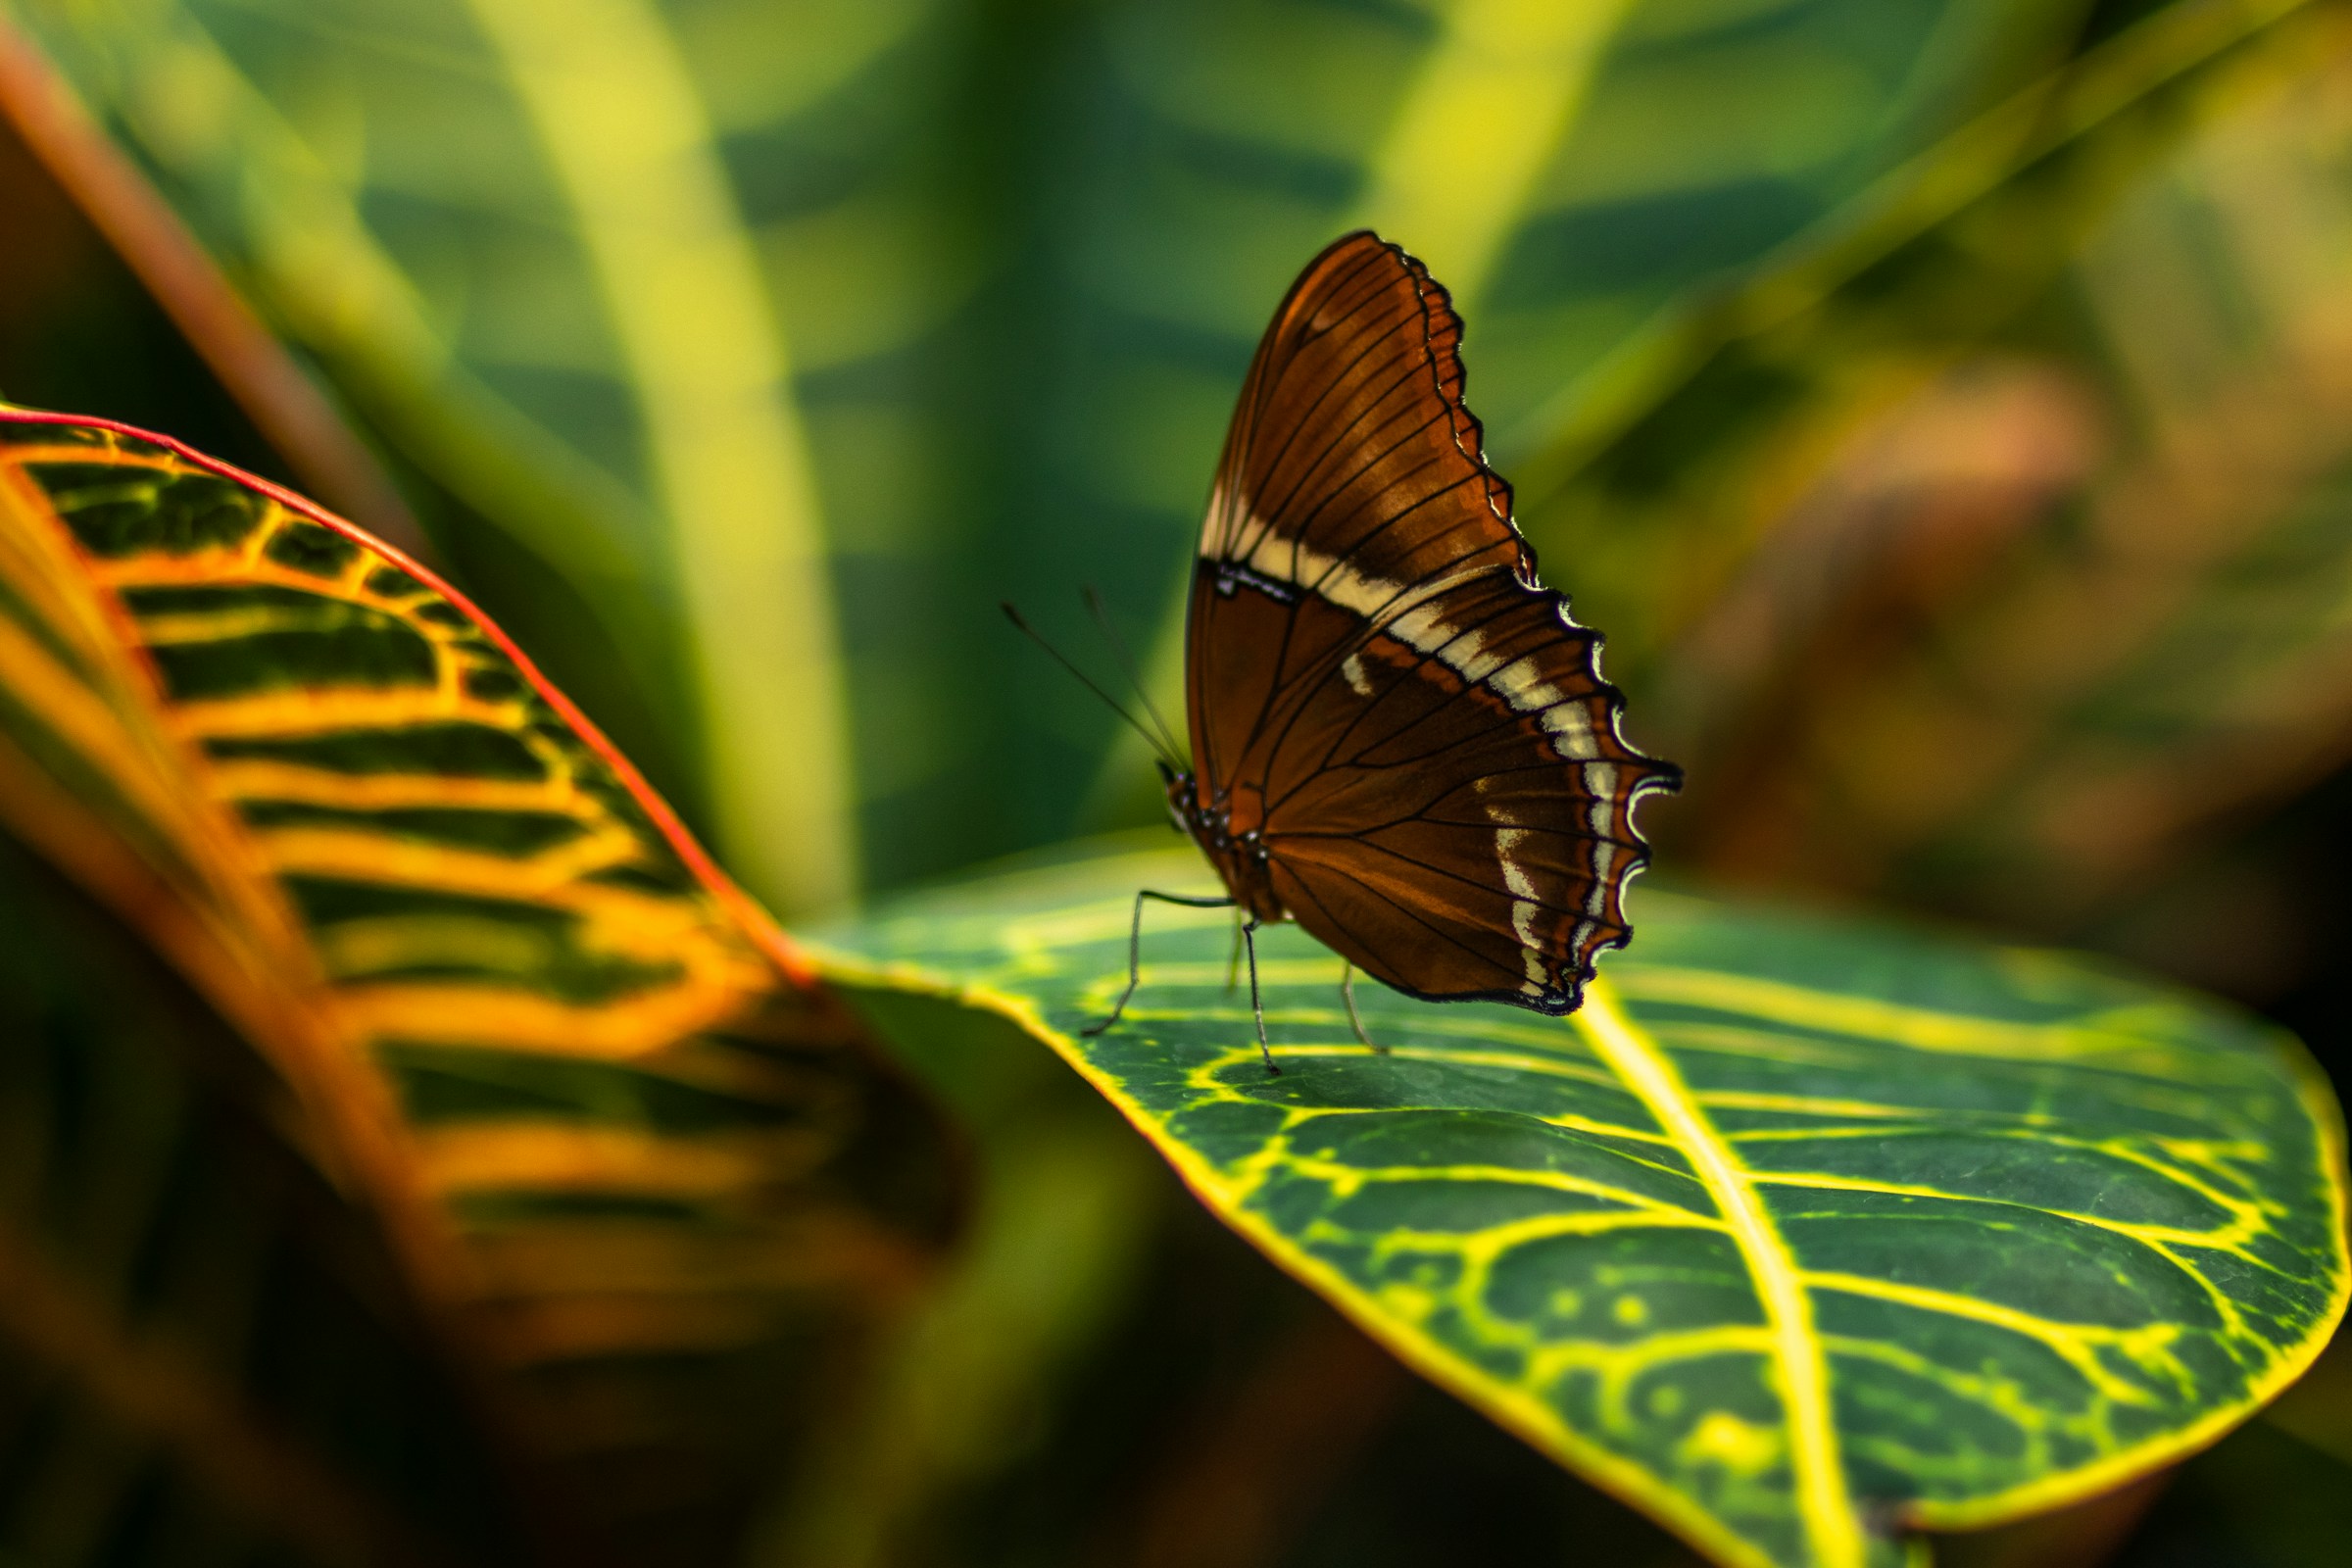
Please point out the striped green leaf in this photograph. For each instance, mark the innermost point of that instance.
(636, 1171)
(1802, 1232)
(1843, 523)
(512, 232)
(932, 293)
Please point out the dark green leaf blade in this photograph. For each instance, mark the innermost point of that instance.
(1800, 1231)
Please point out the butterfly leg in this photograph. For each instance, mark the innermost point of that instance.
(1347, 996)
(1257, 1008)
(1233, 961)
(1135, 948)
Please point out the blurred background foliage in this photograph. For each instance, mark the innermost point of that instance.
(1945, 406)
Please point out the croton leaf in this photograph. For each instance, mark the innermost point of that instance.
(633, 1163)
(1801, 1233)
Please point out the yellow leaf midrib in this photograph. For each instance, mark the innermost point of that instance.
(1824, 1505)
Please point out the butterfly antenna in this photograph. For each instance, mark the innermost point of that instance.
(1084, 680)
(1129, 669)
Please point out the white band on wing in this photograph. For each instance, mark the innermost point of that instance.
(1414, 615)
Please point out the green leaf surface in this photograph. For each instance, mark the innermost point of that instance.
(1699, 425)
(1803, 1231)
(1843, 523)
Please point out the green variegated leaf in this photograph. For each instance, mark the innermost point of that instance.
(1800, 1232)
(510, 231)
(930, 294)
(639, 1174)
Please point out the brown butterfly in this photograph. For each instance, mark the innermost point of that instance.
(1401, 739)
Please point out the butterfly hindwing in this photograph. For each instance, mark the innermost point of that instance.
(1477, 782)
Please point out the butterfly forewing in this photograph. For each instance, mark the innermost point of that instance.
(1345, 476)
(1378, 685)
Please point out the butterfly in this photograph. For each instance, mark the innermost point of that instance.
(1401, 739)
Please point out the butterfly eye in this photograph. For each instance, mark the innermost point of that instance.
(1167, 774)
